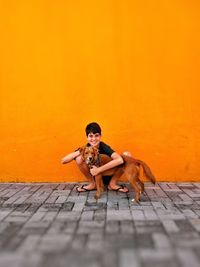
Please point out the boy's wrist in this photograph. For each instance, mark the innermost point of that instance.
(100, 169)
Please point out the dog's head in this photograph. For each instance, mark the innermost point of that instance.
(90, 155)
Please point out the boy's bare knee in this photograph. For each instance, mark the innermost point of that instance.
(79, 160)
(127, 153)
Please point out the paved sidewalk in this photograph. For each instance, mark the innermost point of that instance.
(52, 225)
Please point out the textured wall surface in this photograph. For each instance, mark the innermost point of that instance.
(132, 66)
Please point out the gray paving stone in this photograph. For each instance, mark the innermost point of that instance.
(197, 212)
(196, 224)
(110, 258)
(138, 215)
(95, 242)
(127, 227)
(120, 240)
(185, 197)
(170, 226)
(78, 199)
(144, 240)
(67, 206)
(150, 214)
(156, 255)
(78, 206)
(127, 258)
(185, 226)
(61, 199)
(3, 226)
(170, 214)
(12, 243)
(38, 216)
(187, 258)
(112, 227)
(185, 240)
(84, 259)
(37, 228)
(123, 204)
(100, 215)
(9, 234)
(50, 216)
(112, 204)
(79, 242)
(20, 260)
(87, 215)
(96, 206)
(54, 242)
(148, 226)
(158, 205)
(4, 213)
(69, 215)
(161, 263)
(30, 244)
(87, 227)
(48, 225)
(118, 215)
(161, 241)
(16, 219)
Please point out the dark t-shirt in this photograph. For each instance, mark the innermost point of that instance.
(104, 149)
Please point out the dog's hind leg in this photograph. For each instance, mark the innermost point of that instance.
(141, 184)
(139, 175)
(137, 191)
(132, 174)
(133, 181)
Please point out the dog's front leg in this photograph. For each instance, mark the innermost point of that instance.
(98, 179)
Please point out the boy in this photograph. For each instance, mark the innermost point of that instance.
(93, 133)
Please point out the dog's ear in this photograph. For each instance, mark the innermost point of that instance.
(82, 150)
(96, 152)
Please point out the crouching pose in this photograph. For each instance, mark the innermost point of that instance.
(93, 134)
(96, 159)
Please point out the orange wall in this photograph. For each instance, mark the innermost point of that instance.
(132, 66)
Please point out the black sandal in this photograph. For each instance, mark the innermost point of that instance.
(83, 189)
(121, 187)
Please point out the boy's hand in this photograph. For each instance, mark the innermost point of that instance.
(63, 161)
(94, 170)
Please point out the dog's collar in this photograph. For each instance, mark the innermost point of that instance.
(97, 163)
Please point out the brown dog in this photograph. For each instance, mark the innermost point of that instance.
(132, 168)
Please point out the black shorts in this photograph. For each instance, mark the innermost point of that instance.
(106, 179)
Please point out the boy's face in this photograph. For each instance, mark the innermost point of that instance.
(94, 139)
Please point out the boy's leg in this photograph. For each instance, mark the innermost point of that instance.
(86, 172)
(113, 182)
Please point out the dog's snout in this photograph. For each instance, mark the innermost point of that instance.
(90, 158)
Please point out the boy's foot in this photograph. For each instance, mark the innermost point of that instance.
(120, 188)
(84, 188)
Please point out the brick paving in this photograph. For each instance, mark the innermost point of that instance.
(52, 225)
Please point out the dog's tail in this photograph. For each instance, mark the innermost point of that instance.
(147, 171)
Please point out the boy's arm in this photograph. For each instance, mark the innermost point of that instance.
(70, 157)
(116, 160)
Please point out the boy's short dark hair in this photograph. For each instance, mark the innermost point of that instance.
(93, 127)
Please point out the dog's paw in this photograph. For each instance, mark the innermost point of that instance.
(137, 200)
(96, 196)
